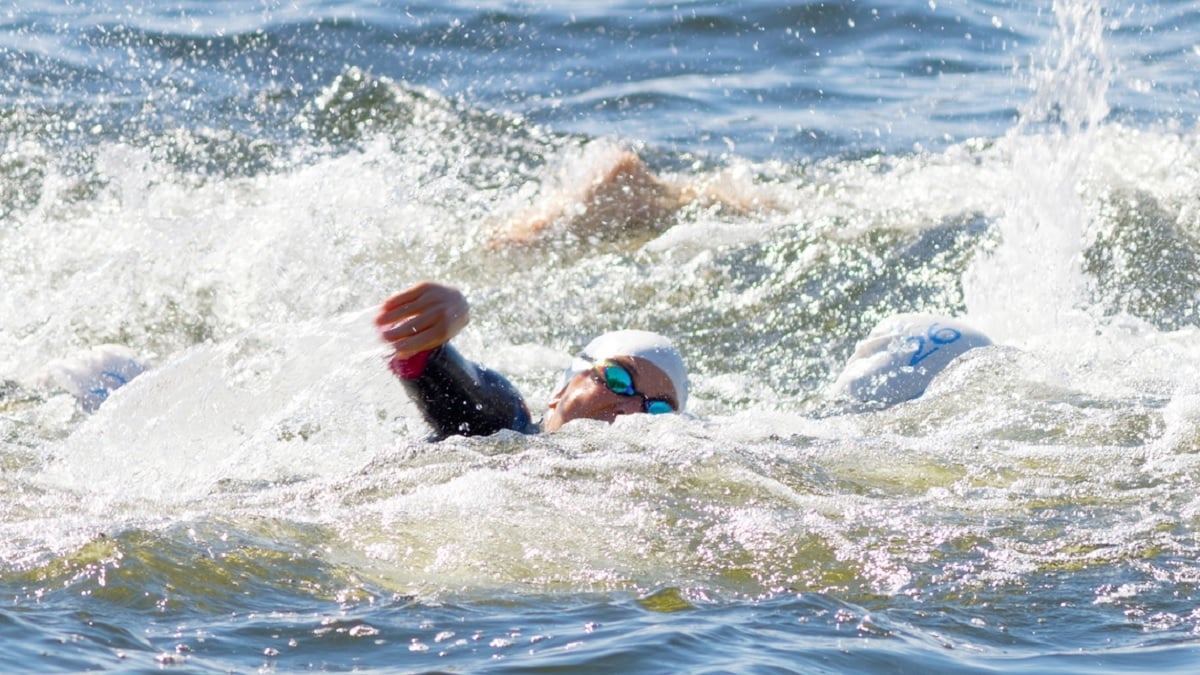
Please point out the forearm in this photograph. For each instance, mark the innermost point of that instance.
(459, 397)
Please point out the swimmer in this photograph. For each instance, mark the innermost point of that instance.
(619, 373)
(901, 356)
(90, 376)
(620, 197)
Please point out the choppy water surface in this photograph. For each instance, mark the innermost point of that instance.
(229, 190)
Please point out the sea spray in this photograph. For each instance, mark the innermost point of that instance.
(1031, 282)
(265, 499)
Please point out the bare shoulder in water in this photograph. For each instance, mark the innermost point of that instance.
(617, 196)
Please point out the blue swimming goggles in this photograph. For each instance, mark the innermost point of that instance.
(619, 381)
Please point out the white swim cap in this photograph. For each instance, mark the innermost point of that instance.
(902, 355)
(641, 344)
(92, 374)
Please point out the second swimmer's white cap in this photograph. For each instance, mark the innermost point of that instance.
(93, 374)
(902, 356)
(641, 344)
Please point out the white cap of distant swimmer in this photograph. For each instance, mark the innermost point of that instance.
(901, 357)
(92, 374)
(641, 344)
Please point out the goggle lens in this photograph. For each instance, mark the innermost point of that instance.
(657, 407)
(617, 379)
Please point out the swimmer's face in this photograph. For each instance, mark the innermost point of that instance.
(586, 396)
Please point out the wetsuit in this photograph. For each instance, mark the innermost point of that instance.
(459, 397)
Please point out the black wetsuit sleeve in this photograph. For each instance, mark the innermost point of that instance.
(457, 396)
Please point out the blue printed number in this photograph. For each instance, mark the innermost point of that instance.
(931, 341)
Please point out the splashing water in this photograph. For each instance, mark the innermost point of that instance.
(1031, 282)
(264, 496)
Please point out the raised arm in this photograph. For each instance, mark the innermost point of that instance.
(456, 396)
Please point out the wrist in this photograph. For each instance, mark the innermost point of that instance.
(410, 367)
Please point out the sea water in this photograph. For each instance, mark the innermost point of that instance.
(229, 189)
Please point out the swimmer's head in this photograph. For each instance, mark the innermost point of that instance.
(902, 356)
(639, 344)
(653, 363)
